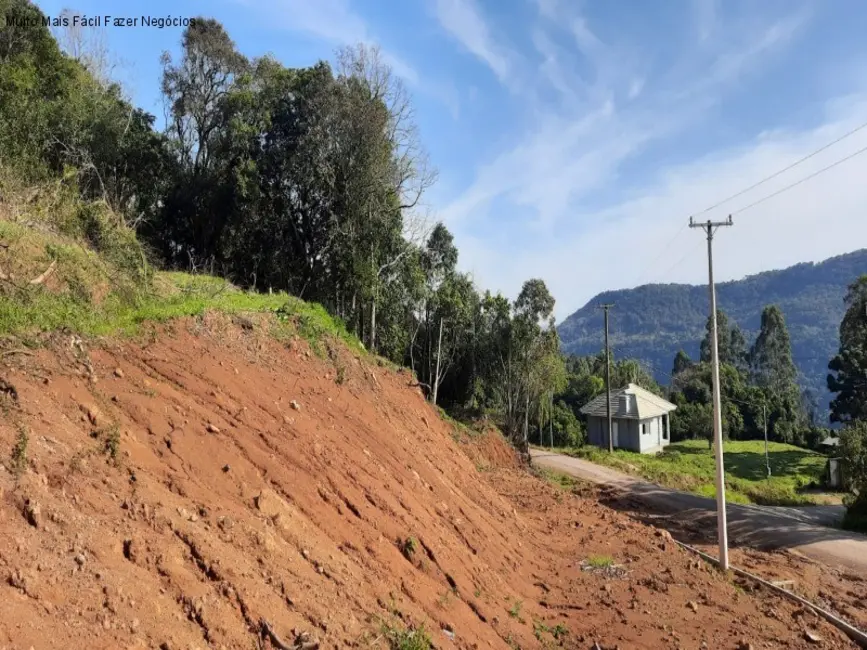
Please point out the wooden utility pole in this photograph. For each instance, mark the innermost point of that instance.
(606, 307)
(722, 529)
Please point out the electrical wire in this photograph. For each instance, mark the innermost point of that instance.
(779, 172)
(783, 170)
(803, 180)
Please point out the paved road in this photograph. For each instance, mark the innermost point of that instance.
(805, 530)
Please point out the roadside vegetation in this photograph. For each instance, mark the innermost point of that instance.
(690, 466)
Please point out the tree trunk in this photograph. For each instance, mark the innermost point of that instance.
(526, 422)
(373, 325)
(551, 421)
(436, 382)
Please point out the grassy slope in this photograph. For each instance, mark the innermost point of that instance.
(92, 294)
(690, 466)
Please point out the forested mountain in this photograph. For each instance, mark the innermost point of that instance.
(653, 322)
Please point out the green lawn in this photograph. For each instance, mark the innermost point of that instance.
(690, 466)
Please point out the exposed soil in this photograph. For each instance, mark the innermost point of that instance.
(254, 480)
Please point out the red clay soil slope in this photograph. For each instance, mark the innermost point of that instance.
(181, 488)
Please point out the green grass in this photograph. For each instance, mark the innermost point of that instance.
(558, 479)
(179, 295)
(407, 639)
(600, 561)
(102, 284)
(690, 466)
(515, 610)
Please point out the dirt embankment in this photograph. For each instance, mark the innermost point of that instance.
(183, 487)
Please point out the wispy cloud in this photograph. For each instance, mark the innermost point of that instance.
(462, 19)
(330, 20)
(335, 22)
(705, 18)
(552, 190)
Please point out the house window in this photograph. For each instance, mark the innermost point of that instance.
(644, 427)
(664, 432)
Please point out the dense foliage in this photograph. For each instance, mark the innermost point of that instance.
(848, 378)
(758, 388)
(853, 449)
(303, 181)
(848, 381)
(653, 322)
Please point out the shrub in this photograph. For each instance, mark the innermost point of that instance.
(407, 639)
(853, 449)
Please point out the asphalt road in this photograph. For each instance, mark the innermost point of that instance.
(807, 530)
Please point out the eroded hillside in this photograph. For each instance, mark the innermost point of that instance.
(179, 488)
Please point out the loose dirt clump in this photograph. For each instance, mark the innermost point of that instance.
(225, 490)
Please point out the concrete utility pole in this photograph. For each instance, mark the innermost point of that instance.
(606, 307)
(722, 529)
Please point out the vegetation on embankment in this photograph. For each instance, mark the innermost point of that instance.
(71, 263)
(690, 466)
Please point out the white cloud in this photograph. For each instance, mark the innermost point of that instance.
(706, 18)
(546, 206)
(645, 240)
(330, 20)
(335, 22)
(461, 18)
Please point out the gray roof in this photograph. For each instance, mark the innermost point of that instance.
(831, 441)
(630, 402)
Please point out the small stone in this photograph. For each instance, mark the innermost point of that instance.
(118, 372)
(812, 637)
(80, 559)
(226, 468)
(745, 645)
(213, 429)
(33, 513)
(94, 415)
(692, 605)
(295, 405)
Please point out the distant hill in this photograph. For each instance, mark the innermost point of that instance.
(653, 322)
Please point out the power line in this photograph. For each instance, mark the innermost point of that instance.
(779, 172)
(783, 170)
(803, 180)
(664, 250)
(681, 260)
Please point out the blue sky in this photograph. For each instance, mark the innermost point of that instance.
(574, 139)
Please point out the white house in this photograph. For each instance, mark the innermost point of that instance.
(640, 420)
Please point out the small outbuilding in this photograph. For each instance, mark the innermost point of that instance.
(640, 420)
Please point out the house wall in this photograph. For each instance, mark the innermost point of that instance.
(653, 438)
(629, 434)
(596, 432)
